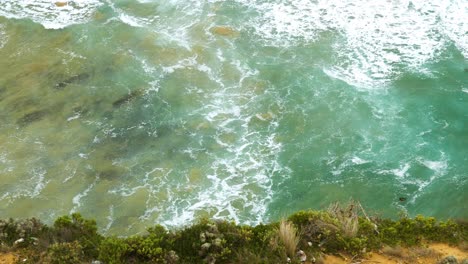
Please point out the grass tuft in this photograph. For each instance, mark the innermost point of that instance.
(347, 216)
(289, 236)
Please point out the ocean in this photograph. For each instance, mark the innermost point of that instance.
(142, 112)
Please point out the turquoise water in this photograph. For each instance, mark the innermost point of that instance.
(143, 112)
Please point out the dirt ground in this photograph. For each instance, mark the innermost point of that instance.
(7, 258)
(421, 255)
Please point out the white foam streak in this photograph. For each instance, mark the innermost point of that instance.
(110, 219)
(3, 36)
(31, 187)
(400, 172)
(47, 13)
(39, 180)
(453, 15)
(77, 199)
(438, 167)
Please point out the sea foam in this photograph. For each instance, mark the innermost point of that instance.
(375, 41)
(48, 13)
(3, 36)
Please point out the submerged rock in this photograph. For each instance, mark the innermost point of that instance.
(31, 117)
(224, 31)
(127, 98)
(61, 4)
(73, 79)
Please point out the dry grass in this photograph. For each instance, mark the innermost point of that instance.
(347, 216)
(320, 260)
(424, 252)
(397, 252)
(464, 246)
(289, 236)
(245, 256)
(410, 255)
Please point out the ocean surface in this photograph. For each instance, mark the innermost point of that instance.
(143, 112)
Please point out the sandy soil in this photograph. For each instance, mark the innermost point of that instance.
(421, 255)
(7, 258)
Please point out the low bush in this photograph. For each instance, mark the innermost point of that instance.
(65, 253)
(340, 230)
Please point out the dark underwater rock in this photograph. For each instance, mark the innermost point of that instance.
(31, 117)
(127, 98)
(2, 90)
(74, 79)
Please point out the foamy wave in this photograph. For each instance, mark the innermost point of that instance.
(3, 36)
(405, 177)
(379, 40)
(232, 175)
(48, 13)
(77, 198)
(400, 172)
(30, 187)
(454, 17)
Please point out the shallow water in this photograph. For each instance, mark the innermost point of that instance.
(143, 112)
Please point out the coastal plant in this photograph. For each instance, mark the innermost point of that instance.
(289, 236)
(247, 256)
(73, 239)
(65, 253)
(318, 228)
(149, 247)
(76, 228)
(112, 250)
(262, 235)
(346, 216)
(186, 242)
(21, 233)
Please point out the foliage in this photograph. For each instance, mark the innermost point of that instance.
(73, 239)
(347, 217)
(112, 250)
(65, 253)
(76, 228)
(27, 231)
(289, 237)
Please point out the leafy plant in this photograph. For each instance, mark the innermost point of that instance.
(289, 237)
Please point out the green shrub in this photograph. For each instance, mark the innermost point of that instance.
(76, 228)
(73, 239)
(27, 230)
(65, 253)
(112, 250)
